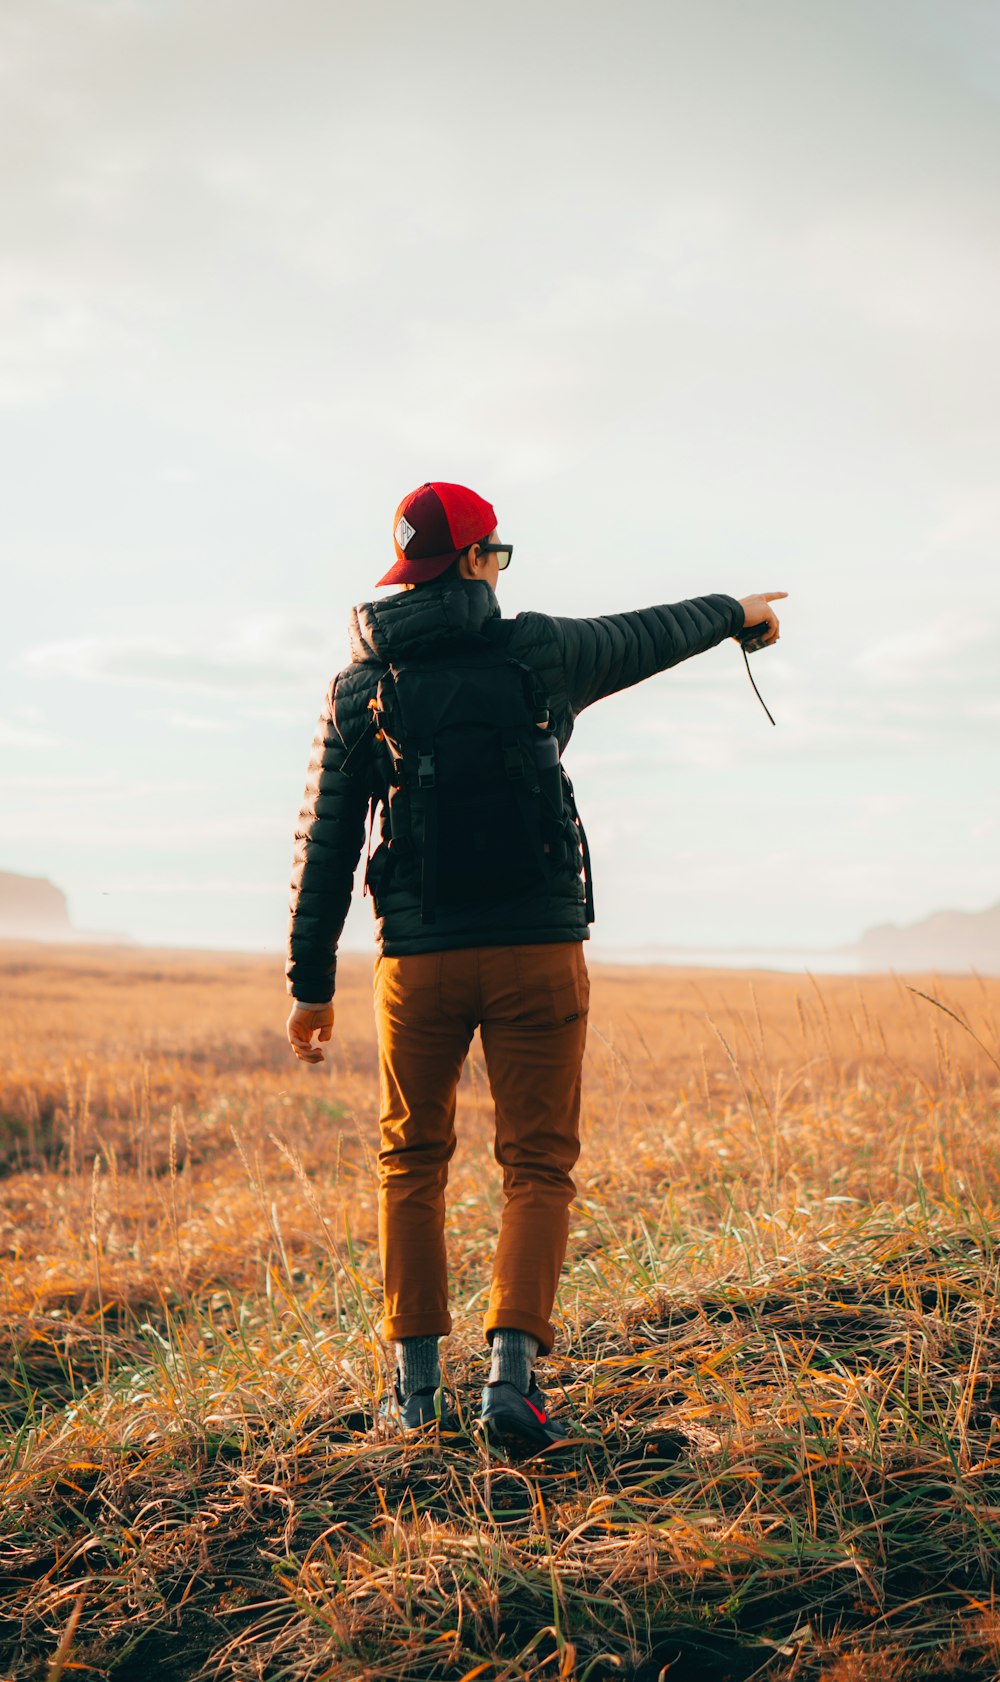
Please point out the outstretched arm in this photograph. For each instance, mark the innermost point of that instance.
(601, 656)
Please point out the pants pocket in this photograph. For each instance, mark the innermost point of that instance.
(413, 981)
(553, 984)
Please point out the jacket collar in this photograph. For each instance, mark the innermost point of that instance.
(415, 622)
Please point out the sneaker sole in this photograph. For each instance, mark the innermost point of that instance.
(506, 1430)
(448, 1427)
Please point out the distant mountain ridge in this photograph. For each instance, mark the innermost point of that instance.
(950, 940)
(32, 908)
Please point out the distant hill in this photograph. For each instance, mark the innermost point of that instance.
(946, 940)
(32, 908)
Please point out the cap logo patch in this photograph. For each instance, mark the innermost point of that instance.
(404, 531)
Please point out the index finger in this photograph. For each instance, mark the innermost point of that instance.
(774, 595)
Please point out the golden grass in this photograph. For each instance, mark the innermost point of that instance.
(779, 1358)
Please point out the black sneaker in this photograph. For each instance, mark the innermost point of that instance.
(419, 1408)
(517, 1421)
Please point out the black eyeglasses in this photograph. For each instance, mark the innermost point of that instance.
(502, 551)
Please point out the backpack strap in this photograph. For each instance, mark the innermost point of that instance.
(587, 873)
(588, 876)
(370, 729)
(426, 780)
(541, 709)
(372, 802)
(522, 773)
(538, 701)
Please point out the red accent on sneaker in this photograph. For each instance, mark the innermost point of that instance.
(539, 1413)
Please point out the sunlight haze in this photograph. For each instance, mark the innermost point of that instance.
(701, 296)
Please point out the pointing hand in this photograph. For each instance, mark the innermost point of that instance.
(756, 611)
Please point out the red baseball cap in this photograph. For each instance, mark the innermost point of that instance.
(432, 526)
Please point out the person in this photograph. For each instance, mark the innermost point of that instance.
(512, 965)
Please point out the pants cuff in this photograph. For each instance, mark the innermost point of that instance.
(510, 1319)
(396, 1326)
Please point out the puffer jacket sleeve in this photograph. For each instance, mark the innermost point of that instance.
(601, 656)
(328, 840)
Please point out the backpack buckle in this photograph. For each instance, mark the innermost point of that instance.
(513, 762)
(425, 769)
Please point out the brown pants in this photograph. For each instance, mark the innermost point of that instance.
(530, 1004)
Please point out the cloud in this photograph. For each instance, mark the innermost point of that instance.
(940, 650)
(238, 890)
(196, 835)
(23, 736)
(111, 816)
(198, 723)
(906, 273)
(213, 243)
(270, 651)
(917, 693)
(277, 715)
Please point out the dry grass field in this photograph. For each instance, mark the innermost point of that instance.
(779, 1359)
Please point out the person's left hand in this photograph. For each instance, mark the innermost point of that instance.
(302, 1024)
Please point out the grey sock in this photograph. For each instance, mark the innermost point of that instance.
(419, 1367)
(513, 1358)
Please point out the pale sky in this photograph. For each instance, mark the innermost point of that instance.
(701, 294)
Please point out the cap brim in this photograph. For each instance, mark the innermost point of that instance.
(418, 571)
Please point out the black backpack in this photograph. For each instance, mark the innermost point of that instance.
(479, 808)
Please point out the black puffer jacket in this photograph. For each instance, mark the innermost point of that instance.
(579, 661)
